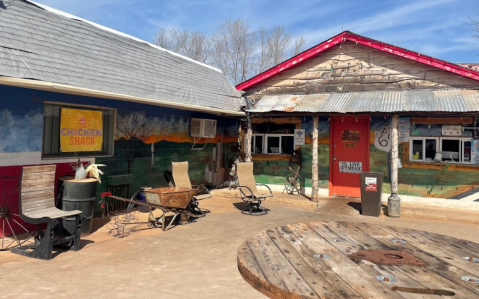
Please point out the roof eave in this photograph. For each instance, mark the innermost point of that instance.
(61, 88)
(349, 36)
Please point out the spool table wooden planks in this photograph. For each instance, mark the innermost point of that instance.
(313, 260)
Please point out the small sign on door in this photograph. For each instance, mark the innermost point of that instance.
(371, 184)
(350, 167)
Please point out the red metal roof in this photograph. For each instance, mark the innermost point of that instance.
(349, 36)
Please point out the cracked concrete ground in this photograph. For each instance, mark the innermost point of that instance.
(197, 260)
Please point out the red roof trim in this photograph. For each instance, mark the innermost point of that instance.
(349, 36)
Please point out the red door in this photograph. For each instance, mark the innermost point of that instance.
(349, 154)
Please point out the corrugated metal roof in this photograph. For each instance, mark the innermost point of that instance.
(450, 100)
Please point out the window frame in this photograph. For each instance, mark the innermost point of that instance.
(108, 141)
(264, 146)
(461, 149)
(439, 140)
(253, 143)
(411, 154)
(265, 143)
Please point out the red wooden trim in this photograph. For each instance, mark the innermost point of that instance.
(349, 36)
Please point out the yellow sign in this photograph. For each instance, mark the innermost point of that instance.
(80, 130)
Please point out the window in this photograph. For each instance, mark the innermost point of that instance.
(466, 150)
(272, 144)
(257, 144)
(453, 149)
(456, 149)
(77, 131)
(423, 149)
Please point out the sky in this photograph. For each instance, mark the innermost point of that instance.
(432, 27)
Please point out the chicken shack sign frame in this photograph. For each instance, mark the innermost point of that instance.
(81, 130)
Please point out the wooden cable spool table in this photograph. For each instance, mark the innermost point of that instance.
(359, 260)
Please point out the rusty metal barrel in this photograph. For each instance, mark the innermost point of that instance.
(79, 195)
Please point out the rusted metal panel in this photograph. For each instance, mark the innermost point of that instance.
(312, 103)
(451, 100)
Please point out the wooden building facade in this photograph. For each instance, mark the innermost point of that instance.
(367, 106)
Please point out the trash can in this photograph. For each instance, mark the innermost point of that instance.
(371, 190)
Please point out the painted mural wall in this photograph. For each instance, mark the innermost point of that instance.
(147, 140)
(438, 183)
(274, 172)
(445, 182)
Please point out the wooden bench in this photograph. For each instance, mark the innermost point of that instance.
(37, 206)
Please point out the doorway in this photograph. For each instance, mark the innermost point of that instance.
(349, 154)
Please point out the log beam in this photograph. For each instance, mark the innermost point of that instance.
(249, 135)
(315, 169)
(394, 202)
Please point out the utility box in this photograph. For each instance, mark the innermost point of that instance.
(371, 190)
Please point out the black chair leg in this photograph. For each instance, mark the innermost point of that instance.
(75, 246)
(42, 250)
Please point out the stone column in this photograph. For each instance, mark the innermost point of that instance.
(394, 202)
(315, 169)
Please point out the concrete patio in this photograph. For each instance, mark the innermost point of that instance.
(197, 260)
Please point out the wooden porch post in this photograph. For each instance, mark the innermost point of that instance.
(249, 135)
(315, 170)
(394, 202)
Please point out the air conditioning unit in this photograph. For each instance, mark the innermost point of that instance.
(203, 128)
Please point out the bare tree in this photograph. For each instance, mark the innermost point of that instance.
(195, 45)
(273, 45)
(475, 26)
(234, 48)
(298, 46)
(278, 42)
(264, 55)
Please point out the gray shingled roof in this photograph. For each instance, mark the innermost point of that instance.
(47, 46)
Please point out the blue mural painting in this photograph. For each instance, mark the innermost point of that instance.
(21, 132)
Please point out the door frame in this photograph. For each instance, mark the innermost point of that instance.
(331, 143)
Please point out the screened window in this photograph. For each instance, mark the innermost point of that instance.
(77, 131)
